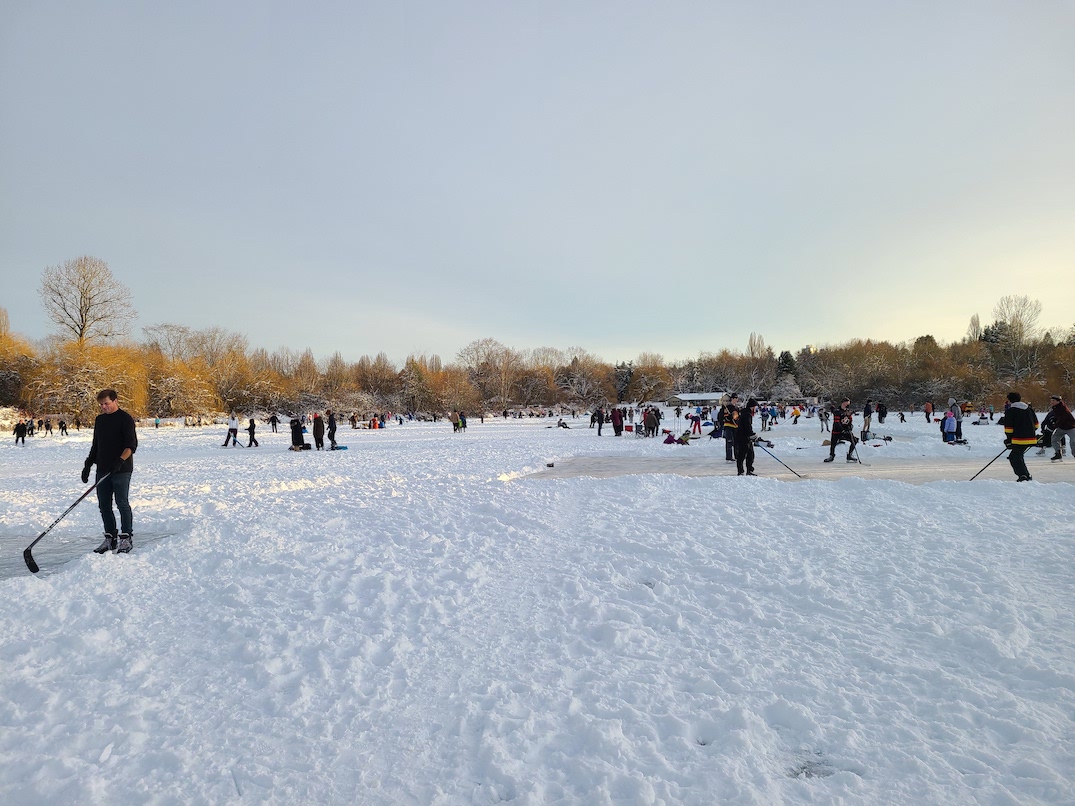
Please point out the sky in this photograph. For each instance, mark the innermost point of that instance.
(625, 177)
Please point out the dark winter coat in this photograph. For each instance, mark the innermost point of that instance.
(319, 427)
(111, 434)
(1064, 417)
(842, 420)
(1020, 424)
(744, 429)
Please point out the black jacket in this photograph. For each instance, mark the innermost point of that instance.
(111, 434)
(745, 427)
(842, 420)
(1020, 424)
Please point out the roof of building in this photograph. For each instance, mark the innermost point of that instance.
(697, 397)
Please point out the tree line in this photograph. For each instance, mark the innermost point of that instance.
(175, 371)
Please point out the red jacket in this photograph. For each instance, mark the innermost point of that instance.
(1064, 417)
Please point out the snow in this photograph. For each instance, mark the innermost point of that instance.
(438, 618)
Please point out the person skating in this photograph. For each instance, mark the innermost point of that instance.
(1047, 425)
(744, 439)
(250, 428)
(1065, 425)
(20, 432)
(233, 432)
(842, 430)
(1020, 431)
(115, 440)
(274, 421)
(823, 415)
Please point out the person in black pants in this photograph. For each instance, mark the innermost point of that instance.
(729, 413)
(843, 430)
(1020, 432)
(331, 429)
(251, 428)
(112, 450)
(744, 439)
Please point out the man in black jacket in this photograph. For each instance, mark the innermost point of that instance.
(744, 439)
(114, 444)
(842, 430)
(1020, 432)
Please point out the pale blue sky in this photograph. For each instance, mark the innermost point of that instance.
(624, 176)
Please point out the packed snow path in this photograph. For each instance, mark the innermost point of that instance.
(427, 618)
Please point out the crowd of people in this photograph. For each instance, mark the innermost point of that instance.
(734, 422)
(115, 438)
(28, 426)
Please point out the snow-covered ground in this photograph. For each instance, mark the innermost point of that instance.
(441, 618)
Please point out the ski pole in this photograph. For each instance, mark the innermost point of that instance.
(26, 555)
(976, 475)
(775, 457)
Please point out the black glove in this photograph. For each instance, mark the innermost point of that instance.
(86, 472)
(117, 466)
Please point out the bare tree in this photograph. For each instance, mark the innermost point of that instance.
(1018, 337)
(974, 329)
(493, 368)
(1020, 316)
(175, 342)
(83, 298)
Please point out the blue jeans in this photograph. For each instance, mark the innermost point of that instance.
(117, 486)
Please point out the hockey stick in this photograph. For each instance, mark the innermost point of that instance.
(774, 456)
(26, 555)
(976, 475)
(855, 448)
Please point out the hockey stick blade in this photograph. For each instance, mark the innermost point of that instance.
(26, 555)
